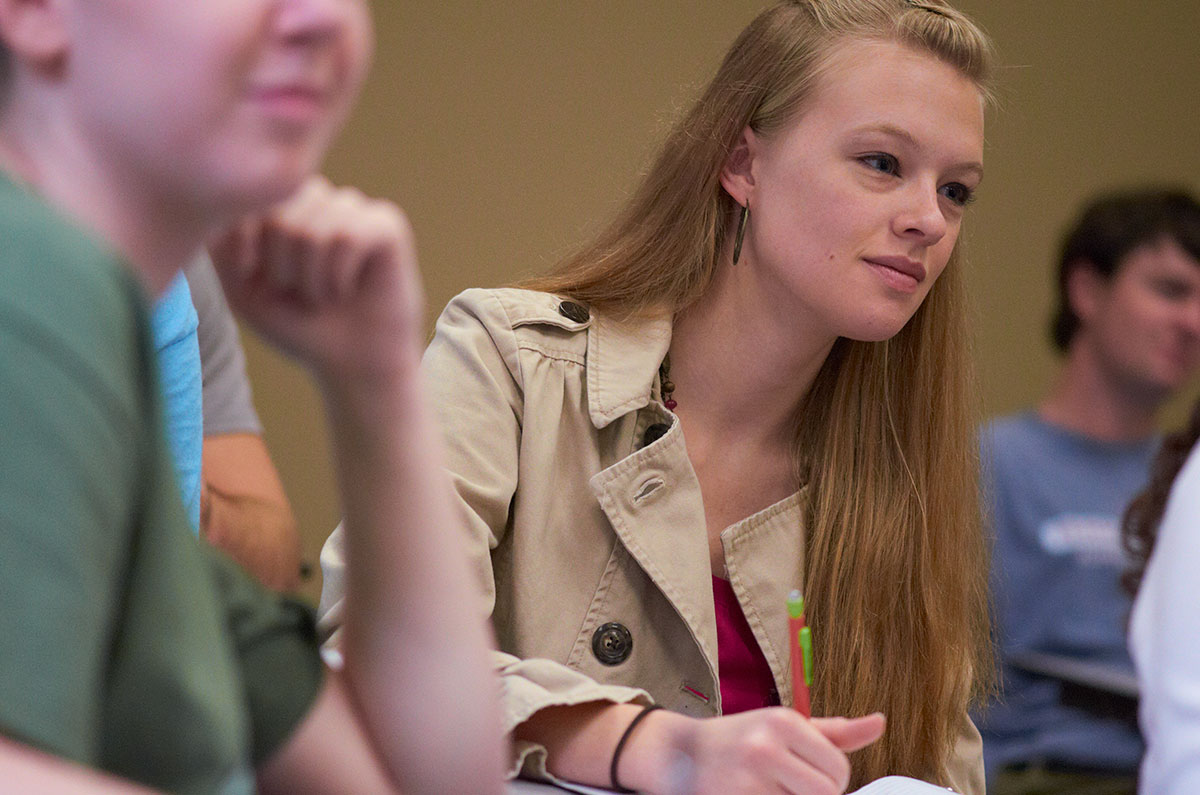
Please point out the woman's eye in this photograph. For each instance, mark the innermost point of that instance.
(878, 161)
(958, 193)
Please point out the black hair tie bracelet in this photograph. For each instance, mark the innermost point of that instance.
(616, 757)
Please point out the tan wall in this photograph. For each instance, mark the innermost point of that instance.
(509, 130)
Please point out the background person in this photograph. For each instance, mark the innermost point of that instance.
(245, 511)
(1058, 478)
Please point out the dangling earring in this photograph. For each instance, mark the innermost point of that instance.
(741, 232)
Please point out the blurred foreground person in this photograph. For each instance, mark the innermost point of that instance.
(131, 131)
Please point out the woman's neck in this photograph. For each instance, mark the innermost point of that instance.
(155, 235)
(741, 362)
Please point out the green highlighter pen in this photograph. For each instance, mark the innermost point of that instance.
(800, 641)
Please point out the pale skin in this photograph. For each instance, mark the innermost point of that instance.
(29, 770)
(1138, 343)
(413, 591)
(344, 300)
(872, 177)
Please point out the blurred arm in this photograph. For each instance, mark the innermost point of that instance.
(245, 512)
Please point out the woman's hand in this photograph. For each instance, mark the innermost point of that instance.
(773, 750)
(330, 276)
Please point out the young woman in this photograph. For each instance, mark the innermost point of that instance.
(130, 132)
(755, 380)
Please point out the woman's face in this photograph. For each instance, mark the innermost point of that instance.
(224, 102)
(855, 206)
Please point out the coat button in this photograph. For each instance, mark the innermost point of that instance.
(573, 311)
(655, 432)
(611, 643)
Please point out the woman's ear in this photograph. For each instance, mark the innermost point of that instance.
(34, 32)
(737, 175)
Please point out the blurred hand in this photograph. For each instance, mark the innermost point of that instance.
(772, 750)
(330, 276)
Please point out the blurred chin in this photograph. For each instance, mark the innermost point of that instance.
(262, 184)
(1175, 372)
(1174, 380)
(1164, 382)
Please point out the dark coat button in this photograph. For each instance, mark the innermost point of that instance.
(655, 432)
(573, 311)
(611, 643)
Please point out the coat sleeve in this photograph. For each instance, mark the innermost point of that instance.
(474, 382)
(965, 767)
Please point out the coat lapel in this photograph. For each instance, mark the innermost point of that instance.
(652, 499)
(622, 363)
(764, 554)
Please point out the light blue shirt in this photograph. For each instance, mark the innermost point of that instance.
(173, 323)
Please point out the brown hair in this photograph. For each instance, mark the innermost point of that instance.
(1139, 527)
(896, 565)
(1109, 229)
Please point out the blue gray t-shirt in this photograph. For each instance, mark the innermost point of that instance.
(1055, 500)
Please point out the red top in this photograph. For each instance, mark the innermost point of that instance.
(746, 680)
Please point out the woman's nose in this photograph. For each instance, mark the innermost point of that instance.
(921, 215)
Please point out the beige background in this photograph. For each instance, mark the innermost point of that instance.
(509, 130)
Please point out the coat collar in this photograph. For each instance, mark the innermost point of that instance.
(623, 357)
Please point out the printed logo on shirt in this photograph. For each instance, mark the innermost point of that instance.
(1095, 539)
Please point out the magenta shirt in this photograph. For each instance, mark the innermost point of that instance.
(746, 680)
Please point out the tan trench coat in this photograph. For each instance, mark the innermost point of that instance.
(577, 525)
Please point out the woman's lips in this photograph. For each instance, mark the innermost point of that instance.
(899, 273)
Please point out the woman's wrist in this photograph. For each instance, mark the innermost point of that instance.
(614, 776)
(656, 757)
(580, 740)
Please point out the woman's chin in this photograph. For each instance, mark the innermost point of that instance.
(876, 331)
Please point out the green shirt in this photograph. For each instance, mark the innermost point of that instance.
(128, 645)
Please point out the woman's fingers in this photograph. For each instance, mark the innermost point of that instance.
(811, 751)
(819, 747)
(777, 750)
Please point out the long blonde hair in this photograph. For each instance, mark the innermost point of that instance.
(895, 565)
